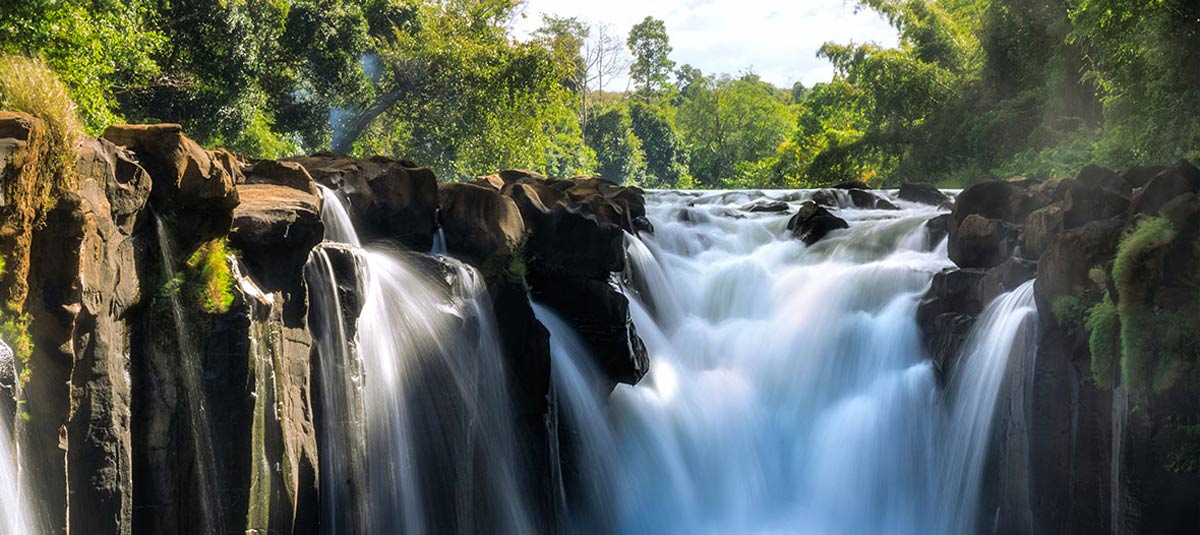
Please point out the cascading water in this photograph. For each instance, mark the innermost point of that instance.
(15, 519)
(789, 391)
(585, 435)
(195, 403)
(438, 429)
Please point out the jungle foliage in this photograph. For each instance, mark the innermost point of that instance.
(974, 88)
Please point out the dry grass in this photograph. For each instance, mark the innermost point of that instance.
(29, 85)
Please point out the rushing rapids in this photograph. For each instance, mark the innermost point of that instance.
(789, 390)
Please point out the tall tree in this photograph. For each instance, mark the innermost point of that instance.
(651, 47)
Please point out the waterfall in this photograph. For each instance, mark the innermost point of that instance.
(788, 390)
(586, 437)
(439, 433)
(16, 519)
(1005, 330)
(194, 399)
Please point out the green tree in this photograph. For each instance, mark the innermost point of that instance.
(666, 154)
(618, 152)
(651, 47)
(731, 121)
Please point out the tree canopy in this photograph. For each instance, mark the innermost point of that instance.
(974, 88)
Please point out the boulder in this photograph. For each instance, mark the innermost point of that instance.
(980, 242)
(990, 199)
(599, 313)
(389, 199)
(824, 197)
(1096, 177)
(276, 227)
(1172, 182)
(480, 225)
(936, 230)
(946, 313)
(282, 173)
(1084, 202)
(1063, 268)
(766, 205)
(870, 201)
(186, 177)
(1040, 227)
(922, 193)
(1139, 175)
(565, 241)
(812, 223)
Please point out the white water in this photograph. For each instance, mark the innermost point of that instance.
(441, 451)
(15, 518)
(788, 390)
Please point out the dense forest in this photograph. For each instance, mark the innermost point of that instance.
(975, 88)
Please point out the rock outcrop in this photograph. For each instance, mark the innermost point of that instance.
(1077, 448)
(813, 222)
(389, 199)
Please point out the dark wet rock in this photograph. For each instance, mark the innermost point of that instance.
(825, 197)
(1063, 270)
(600, 314)
(920, 192)
(870, 201)
(388, 199)
(1140, 175)
(813, 222)
(936, 230)
(276, 227)
(766, 206)
(480, 225)
(1040, 227)
(1084, 203)
(1172, 182)
(564, 240)
(981, 242)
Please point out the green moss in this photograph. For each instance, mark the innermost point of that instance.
(1104, 340)
(1184, 457)
(1068, 310)
(208, 280)
(1136, 273)
(518, 268)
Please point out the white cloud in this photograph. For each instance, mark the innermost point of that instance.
(777, 39)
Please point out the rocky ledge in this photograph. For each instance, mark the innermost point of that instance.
(1097, 433)
(161, 284)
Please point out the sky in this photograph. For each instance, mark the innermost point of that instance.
(776, 39)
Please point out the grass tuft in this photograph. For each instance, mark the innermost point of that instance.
(29, 85)
(210, 281)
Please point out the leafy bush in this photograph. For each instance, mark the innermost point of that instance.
(209, 279)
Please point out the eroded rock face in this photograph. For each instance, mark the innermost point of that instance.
(195, 185)
(276, 226)
(813, 222)
(481, 225)
(389, 199)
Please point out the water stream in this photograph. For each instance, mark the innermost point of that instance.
(789, 391)
(437, 423)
